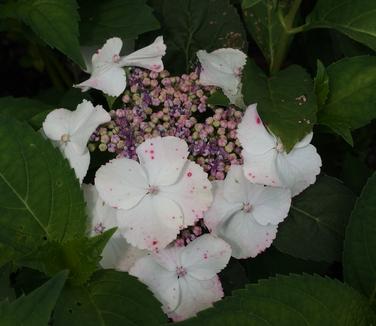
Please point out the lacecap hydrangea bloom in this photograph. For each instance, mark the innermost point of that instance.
(266, 161)
(157, 197)
(184, 279)
(246, 215)
(71, 130)
(106, 66)
(158, 104)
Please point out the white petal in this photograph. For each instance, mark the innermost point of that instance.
(299, 168)
(78, 161)
(247, 237)
(57, 124)
(109, 79)
(83, 122)
(271, 205)
(192, 192)
(235, 185)
(120, 255)
(261, 168)
(149, 57)
(222, 68)
(87, 54)
(98, 211)
(163, 283)
(121, 183)
(108, 54)
(195, 296)
(221, 209)
(305, 141)
(252, 133)
(163, 159)
(152, 224)
(206, 256)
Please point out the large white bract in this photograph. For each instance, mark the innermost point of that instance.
(157, 197)
(118, 253)
(246, 215)
(184, 279)
(266, 162)
(106, 68)
(71, 130)
(223, 68)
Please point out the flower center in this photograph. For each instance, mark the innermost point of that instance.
(247, 207)
(115, 58)
(279, 147)
(153, 190)
(99, 228)
(180, 271)
(65, 139)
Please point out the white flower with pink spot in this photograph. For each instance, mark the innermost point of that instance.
(71, 130)
(106, 68)
(157, 197)
(246, 215)
(223, 68)
(184, 279)
(266, 162)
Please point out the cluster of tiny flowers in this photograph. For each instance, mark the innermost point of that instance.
(190, 233)
(158, 104)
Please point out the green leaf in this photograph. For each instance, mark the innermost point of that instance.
(41, 199)
(355, 172)
(192, 25)
(360, 243)
(36, 307)
(122, 18)
(315, 226)
(352, 99)
(321, 84)
(263, 23)
(80, 256)
(356, 19)
(286, 101)
(218, 98)
(110, 298)
(6, 290)
(290, 300)
(55, 22)
(22, 108)
(249, 3)
(273, 262)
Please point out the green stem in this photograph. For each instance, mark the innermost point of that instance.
(284, 42)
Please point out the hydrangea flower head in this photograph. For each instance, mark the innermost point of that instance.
(106, 69)
(71, 130)
(158, 104)
(184, 279)
(246, 215)
(223, 68)
(266, 162)
(118, 253)
(157, 197)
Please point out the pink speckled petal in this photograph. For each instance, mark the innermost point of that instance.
(152, 224)
(247, 237)
(195, 296)
(162, 282)
(252, 133)
(261, 168)
(206, 256)
(163, 159)
(192, 192)
(149, 57)
(121, 183)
